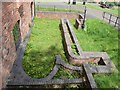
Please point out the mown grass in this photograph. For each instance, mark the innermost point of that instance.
(54, 9)
(101, 37)
(45, 43)
(113, 11)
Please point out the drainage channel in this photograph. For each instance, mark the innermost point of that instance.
(102, 61)
(19, 79)
(72, 47)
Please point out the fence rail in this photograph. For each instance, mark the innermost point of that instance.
(55, 8)
(114, 20)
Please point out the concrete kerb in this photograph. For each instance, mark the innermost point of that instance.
(19, 77)
(100, 58)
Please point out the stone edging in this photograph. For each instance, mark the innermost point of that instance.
(101, 58)
(57, 15)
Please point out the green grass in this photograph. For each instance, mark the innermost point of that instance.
(103, 38)
(56, 10)
(113, 11)
(45, 43)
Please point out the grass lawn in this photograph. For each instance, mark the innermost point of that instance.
(113, 11)
(103, 38)
(45, 43)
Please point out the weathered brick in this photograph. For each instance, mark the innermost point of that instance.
(10, 16)
(5, 52)
(57, 15)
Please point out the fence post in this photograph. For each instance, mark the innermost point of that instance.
(103, 15)
(116, 21)
(37, 7)
(54, 8)
(84, 19)
(110, 18)
(70, 8)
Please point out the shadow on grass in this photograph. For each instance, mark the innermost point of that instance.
(38, 64)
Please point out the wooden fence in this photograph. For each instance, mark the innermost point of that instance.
(112, 19)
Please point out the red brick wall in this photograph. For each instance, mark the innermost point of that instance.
(56, 15)
(26, 20)
(10, 16)
(0, 45)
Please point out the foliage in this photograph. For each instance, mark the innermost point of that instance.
(117, 3)
(112, 3)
